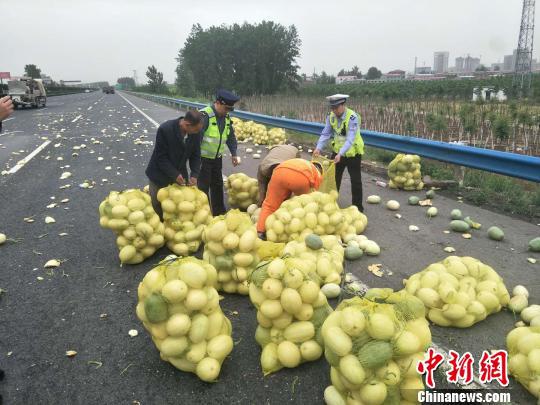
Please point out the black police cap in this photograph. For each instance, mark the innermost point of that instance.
(226, 97)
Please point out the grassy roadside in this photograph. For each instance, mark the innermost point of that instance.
(494, 191)
(497, 192)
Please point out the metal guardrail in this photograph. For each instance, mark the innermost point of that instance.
(505, 163)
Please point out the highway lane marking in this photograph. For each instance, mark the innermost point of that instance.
(76, 118)
(139, 110)
(24, 161)
(476, 384)
(89, 108)
(9, 133)
(7, 119)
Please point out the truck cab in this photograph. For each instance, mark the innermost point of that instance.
(27, 92)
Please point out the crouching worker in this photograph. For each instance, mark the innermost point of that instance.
(278, 154)
(294, 176)
(177, 142)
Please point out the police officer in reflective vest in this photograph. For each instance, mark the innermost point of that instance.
(216, 132)
(343, 126)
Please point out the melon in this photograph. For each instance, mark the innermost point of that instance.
(392, 205)
(208, 369)
(495, 233)
(331, 290)
(155, 308)
(373, 199)
(314, 242)
(534, 245)
(459, 226)
(353, 253)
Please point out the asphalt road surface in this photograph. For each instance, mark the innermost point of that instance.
(88, 303)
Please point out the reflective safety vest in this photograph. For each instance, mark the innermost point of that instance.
(341, 131)
(213, 141)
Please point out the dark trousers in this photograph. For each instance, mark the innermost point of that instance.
(354, 166)
(210, 181)
(153, 190)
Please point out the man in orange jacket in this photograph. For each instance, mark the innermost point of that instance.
(294, 176)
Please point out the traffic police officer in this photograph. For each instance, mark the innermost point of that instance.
(343, 126)
(216, 132)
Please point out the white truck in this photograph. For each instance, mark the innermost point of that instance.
(27, 92)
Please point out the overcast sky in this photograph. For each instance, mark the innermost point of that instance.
(94, 40)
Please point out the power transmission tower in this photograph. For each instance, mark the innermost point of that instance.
(523, 68)
(135, 78)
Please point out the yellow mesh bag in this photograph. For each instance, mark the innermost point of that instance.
(522, 345)
(268, 250)
(130, 215)
(230, 245)
(459, 291)
(181, 326)
(290, 312)
(328, 183)
(186, 212)
(383, 334)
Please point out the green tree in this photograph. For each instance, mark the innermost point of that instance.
(155, 79)
(185, 80)
(127, 82)
(525, 118)
(32, 71)
(325, 78)
(437, 124)
(251, 59)
(501, 128)
(355, 71)
(373, 73)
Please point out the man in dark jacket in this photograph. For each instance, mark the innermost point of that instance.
(177, 142)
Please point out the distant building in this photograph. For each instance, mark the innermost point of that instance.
(459, 64)
(440, 62)
(488, 94)
(466, 65)
(344, 79)
(497, 67)
(471, 64)
(509, 64)
(394, 75)
(423, 70)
